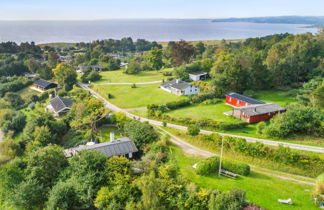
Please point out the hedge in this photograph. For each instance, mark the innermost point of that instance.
(210, 166)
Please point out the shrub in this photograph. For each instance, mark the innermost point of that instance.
(210, 166)
(133, 85)
(236, 167)
(193, 130)
(164, 124)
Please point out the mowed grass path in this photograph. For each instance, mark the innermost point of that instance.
(261, 190)
(126, 97)
(120, 77)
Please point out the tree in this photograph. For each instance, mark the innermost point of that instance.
(52, 59)
(43, 136)
(14, 100)
(45, 164)
(140, 133)
(133, 67)
(13, 121)
(86, 113)
(154, 57)
(63, 196)
(297, 120)
(181, 52)
(32, 65)
(193, 130)
(200, 48)
(65, 75)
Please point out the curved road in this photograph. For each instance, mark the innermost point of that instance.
(113, 107)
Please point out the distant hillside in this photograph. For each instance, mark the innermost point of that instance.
(317, 21)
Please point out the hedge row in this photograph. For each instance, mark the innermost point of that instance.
(15, 85)
(311, 163)
(204, 123)
(210, 166)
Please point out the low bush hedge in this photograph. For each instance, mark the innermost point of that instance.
(210, 166)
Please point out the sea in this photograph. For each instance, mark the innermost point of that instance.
(149, 29)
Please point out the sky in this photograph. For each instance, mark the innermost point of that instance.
(129, 9)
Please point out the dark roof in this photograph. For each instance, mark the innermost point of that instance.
(244, 98)
(43, 83)
(58, 103)
(260, 109)
(119, 147)
(176, 83)
(198, 73)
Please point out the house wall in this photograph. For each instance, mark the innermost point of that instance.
(194, 77)
(235, 102)
(260, 118)
(191, 90)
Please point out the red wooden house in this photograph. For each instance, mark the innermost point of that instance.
(235, 99)
(251, 110)
(257, 113)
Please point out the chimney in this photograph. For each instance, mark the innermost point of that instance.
(112, 136)
(177, 81)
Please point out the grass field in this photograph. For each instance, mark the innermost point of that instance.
(200, 111)
(280, 97)
(27, 92)
(232, 155)
(120, 77)
(260, 189)
(126, 97)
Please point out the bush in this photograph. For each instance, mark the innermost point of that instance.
(235, 167)
(133, 85)
(210, 166)
(193, 130)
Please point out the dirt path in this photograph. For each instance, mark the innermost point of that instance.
(195, 151)
(180, 127)
(131, 83)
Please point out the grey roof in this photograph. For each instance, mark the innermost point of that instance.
(260, 109)
(244, 98)
(118, 147)
(176, 83)
(43, 83)
(198, 73)
(58, 103)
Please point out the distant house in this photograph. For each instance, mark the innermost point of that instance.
(31, 76)
(235, 99)
(43, 85)
(59, 105)
(123, 64)
(256, 113)
(179, 87)
(82, 69)
(120, 147)
(196, 76)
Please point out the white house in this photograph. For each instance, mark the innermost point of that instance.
(179, 87)
(82, 69)
(196, 76)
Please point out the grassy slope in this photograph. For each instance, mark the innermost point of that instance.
(141, 96)
(27, 92)
(261, 190)
(119, 77)
(232, 155)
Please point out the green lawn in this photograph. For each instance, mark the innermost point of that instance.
(280, 97)
(104, 133)
(126, 97)
(201, 111)
(120, 77)
(27, 92)
(260, 189)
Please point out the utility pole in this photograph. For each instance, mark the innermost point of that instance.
(220, 159)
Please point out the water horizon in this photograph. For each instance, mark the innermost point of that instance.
(162, 30)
